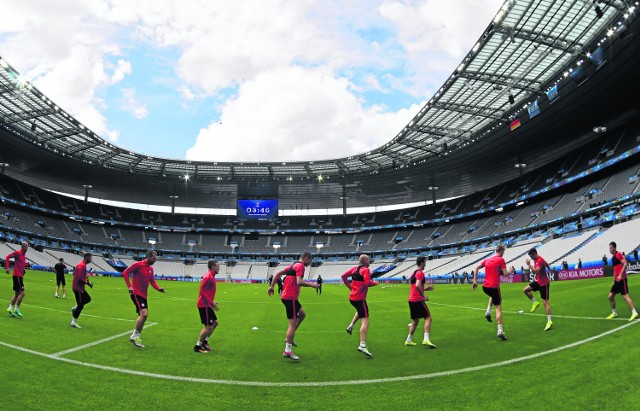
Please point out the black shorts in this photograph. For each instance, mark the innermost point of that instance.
(140, 302)
(618, 287)
(18, 283)
(361, 307)
(293, 308)
(544, 289)
(494, 293)
(419, 310)
(207, 316)
(82, 297)
(60, 279)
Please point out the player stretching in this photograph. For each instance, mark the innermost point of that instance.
(359, 285)
(418, 304)
(79, 281)
(541, 269)
(619, 264)
(142, 275)
(59, 269)
(206, 305)
(294, 279)
(19, 263)
(493, 267)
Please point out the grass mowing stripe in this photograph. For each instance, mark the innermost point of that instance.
(94, 343)
(323, 383)
(84, 315)
(532, 314)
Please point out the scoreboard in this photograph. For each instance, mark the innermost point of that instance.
(260, 209)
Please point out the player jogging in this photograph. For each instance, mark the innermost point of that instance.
(359, 285)
(541, 283)
(79, 282)
(19, 263)
(619, 264)
(493, 267)
(59, 269)
(418, 304)
(206, 306)
(294, 279)
(141, 276)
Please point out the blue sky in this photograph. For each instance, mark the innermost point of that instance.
(241, 80)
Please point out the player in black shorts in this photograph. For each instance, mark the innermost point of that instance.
(59, 270)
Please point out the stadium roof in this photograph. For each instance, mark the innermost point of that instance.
(528, 47)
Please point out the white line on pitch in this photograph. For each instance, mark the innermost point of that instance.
(91, 344)
(321, 383)
(84, 315)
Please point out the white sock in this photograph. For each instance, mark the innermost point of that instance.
(500, 330)
(350, 325)
(135, 334)
(426, 336)
(363, 344)
(287, 347)
(633, 311)
(548, 318)
(11, 306)
(533, 300)
(614, 311)
(488, 311)
(199, 343)
(73, 321)
(409, 338)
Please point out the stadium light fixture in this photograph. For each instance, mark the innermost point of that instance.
(153, 242)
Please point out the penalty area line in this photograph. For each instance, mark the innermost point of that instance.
(94, 343)
(321, 383)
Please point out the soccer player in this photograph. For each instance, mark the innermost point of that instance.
(206, 305)
(319, 281)
(59, 269)
(541, 283)
(359, 285)
(294, 279)
(79, 282)
(19, 263)
(619, 264)
(418, 304)
(493, 266)
(142, 275)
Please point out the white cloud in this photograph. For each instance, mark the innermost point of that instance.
(295, 113)
(130, 103)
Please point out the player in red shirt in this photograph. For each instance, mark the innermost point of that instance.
(206, 306)
(142, 275)
(418, 304)
(541, 283)
(493, 267)
(359, 285)
(19, 263)
(79, 282)
(294, 279)
(619, 264)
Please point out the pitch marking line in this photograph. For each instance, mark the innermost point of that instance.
(91, 344)
(69, 312)
(539, 315)
(321, 383)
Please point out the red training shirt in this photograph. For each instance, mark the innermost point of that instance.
(142, 274)
(360, 282)
(291, 289)
(79, 277)
(492, 269)
(19, 262)
(542, 277)
(207, 290)
(414, 295)
(616, 262)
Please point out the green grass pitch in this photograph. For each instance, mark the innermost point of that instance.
(600, 373)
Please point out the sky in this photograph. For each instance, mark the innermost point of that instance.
(240, 80)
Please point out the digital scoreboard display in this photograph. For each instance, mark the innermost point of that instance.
(260, 209)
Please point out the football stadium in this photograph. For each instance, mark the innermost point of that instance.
(500, 224)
